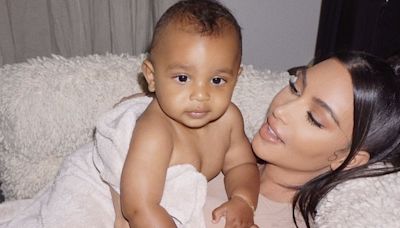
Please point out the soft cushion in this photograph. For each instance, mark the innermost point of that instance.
(49, 107)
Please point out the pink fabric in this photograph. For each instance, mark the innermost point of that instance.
(269, 214)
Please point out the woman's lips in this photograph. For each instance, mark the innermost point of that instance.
(268, 133)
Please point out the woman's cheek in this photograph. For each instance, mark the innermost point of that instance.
(259, 148)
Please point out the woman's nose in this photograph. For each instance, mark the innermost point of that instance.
(282, 112)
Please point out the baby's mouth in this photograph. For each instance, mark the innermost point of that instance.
(197, 114)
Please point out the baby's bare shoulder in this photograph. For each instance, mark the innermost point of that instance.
(234, 110)
(233, 115)
(152, 126)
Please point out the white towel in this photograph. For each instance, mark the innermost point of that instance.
(185, 188)
(113, 135)
(79, 197)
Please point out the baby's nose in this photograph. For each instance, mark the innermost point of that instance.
(200, 93)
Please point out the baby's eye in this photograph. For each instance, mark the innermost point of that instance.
(182, 78)
(292, 85)
(218, 81)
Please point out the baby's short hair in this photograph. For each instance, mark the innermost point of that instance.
(207, 17)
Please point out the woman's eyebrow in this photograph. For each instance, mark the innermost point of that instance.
(325, 106)
(300, 73)
(303, 75)
(318, 101)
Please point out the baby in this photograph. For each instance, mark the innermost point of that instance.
(191, 71)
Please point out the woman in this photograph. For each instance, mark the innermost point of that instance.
(336, 121)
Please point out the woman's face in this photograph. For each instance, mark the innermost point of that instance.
(309, 122)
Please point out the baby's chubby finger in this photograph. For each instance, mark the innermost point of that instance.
(218, 213)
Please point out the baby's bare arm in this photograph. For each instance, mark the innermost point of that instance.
(242, 181)
(143, 176)
(240, 168)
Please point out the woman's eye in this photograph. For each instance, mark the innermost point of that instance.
(182, 78)
(313, 121)
(292, 85)
(218, 81)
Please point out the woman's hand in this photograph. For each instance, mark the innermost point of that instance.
(237, 213)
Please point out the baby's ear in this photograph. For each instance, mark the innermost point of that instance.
(148, 72)
(361, 158)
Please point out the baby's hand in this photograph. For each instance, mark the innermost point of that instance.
(237, 213)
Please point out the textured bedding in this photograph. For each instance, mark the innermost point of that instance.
(49, 106)
(80, 195)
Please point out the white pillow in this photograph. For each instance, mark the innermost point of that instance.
(253, 93)
(49, 107)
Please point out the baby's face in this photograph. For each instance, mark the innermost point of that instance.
(193, 76)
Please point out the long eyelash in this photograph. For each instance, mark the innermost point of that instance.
(292, 86)
(312, 120)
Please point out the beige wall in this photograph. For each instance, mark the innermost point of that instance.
(277, 34)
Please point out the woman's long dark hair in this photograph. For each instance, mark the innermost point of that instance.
(376, 130)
